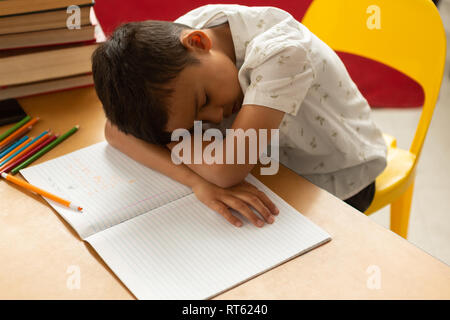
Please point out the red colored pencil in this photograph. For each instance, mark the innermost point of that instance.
(9, 167)
(30, 147)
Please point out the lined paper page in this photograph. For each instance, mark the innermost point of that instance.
(110, 186)
(184, 250)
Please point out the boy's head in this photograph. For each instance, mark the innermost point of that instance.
(155, 76)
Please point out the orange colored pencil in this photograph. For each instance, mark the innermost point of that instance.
(31, 146)
(15, 149)
(20, 136)
(18, 132)
(43, 193)
(28, 155)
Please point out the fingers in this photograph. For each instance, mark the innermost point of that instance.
(262, 197)
(223, 210)
(259, 206)
(241, 198)
(241, 207)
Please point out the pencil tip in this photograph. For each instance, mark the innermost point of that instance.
(77, 126)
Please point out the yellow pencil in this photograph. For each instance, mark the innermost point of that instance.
(43, 193)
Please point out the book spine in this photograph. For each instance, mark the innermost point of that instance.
(55, 91)
(47, 10)
(82, 42)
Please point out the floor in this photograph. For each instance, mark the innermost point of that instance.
(429, 226)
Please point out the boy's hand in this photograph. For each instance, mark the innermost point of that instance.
(240, 198)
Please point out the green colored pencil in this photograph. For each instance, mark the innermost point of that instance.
(15, 127)
(45, 149)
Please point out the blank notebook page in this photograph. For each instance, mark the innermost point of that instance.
(110, 186)
(169, 245)
(184, 250)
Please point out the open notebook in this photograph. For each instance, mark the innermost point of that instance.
(156, 236)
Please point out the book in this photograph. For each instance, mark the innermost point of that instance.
(44, 64)
(46, 37)
(46, 86)
(154, 234)
(44, 20)
(15, 7)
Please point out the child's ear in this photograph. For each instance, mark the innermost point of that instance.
(196, 39)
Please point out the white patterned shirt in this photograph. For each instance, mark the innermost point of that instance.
(327, 134)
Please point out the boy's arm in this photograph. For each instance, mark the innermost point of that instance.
(249, 117)
(153, 156)
(239, 197)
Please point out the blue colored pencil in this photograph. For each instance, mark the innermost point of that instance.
(10, 143)
(11, 147)
(23, 148)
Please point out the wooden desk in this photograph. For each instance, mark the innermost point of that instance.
(37, 247)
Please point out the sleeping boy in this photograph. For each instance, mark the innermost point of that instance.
(238, 67)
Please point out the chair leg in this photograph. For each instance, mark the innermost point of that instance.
(400, 210)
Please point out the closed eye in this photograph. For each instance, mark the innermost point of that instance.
(206, 101)
(198, 108)
(202, 106)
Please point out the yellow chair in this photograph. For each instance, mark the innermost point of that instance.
(407, 35)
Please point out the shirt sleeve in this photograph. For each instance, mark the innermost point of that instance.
(278, 69)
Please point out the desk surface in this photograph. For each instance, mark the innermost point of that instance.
(38, 249)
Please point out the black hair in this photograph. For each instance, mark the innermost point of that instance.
(132, 70)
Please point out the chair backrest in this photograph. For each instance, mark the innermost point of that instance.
(407, 35)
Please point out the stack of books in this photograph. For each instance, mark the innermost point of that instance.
(45, 46)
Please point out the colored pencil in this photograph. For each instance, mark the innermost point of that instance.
(40, 191)
(40, 139)
(27, 155)
(15, 127)
(18, 132)
(15, 149)
(22, 148)
(10, 143)
(12, 146)
(45, 150)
